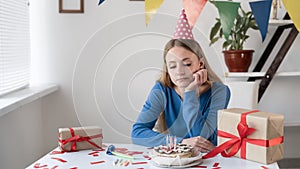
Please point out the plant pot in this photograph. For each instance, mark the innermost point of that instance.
(238, 60)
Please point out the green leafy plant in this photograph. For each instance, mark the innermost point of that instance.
(238, 35)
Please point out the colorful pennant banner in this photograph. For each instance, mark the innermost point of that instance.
(261, 11)
(292, 7)
(193, 9)
(100, 2)
(151, 7)
(228, 11)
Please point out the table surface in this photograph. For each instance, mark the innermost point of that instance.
(99, 159)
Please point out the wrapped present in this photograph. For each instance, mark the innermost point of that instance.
(249, 134)
(79, 138)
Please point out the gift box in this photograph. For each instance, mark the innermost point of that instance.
(79, 138)
(251, 135)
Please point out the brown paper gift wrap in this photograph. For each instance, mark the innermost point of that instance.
(79, 138)
(268, 127)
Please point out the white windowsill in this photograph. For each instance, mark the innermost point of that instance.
(258, 74)
(19, 98)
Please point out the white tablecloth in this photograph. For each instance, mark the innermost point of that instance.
(87, 159)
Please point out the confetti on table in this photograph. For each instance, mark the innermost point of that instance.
(59, 159)
(215, 164)
(38, 165)
(120, 162)
(116, 162)
(97, 162)
(94, 153)
(264, 167)
(126, 163)
(142, 162)
(56, 152)
(147, 157)
(54, 167)
(127, 152)
(121, 149)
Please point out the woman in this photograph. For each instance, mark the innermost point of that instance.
(189, 94)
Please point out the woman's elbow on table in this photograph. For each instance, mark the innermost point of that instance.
(136, 135)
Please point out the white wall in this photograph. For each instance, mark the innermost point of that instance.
(106, 60)
(22, 136)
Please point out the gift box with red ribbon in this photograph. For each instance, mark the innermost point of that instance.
(79, 138)
(249, 134)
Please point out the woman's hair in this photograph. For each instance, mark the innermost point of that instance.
(192, 46)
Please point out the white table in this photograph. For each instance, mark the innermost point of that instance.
(82, 159)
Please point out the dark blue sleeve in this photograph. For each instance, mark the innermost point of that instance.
(219, 100)
(205, 123)
(142, 132)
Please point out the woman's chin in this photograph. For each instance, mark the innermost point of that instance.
(182, 85)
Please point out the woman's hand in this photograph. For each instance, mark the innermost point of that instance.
(199, 143)
(200, 77)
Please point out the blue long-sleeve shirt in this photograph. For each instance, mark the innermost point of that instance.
(188, 117)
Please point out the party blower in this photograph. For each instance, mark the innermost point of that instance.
(111, 151)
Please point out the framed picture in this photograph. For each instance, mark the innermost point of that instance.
(71, 6)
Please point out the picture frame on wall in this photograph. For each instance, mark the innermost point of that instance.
(71, 6)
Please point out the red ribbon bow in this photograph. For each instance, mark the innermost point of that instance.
(239, 143)
(76, 138)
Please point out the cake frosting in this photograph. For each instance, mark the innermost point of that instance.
(181, 150)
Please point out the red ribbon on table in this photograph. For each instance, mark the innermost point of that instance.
(239, 143)
(76, 138)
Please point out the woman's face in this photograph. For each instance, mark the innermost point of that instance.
(181, 64)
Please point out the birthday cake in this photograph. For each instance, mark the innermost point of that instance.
(178, 150)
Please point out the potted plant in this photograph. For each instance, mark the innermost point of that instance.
(236, 58)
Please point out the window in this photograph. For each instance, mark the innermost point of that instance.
(14, 45)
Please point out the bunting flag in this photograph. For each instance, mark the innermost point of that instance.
(193, 9)
(261, 11)
(228, 11)
(100, 2)
(151, 7)
(292, 7)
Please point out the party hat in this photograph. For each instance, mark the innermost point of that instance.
(183, 29)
